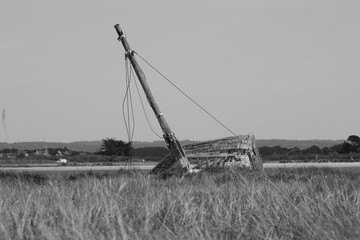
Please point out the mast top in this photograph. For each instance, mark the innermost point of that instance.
(119, 31)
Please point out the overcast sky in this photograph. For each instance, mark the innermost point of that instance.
(277, 69)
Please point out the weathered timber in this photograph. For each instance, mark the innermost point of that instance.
(169, 165)
(237, 150)
(223, 144)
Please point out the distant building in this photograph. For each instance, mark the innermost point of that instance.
(42, 152)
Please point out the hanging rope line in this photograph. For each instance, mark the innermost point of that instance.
(143, 108)
(127, 106)
(127, 109)
(187, 96)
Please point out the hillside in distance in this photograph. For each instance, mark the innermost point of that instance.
(302, 144)
(93, 146)
(82, 146)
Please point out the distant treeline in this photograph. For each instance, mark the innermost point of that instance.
(93, 146)
(117, 150)
(313, 153)
(348, 150)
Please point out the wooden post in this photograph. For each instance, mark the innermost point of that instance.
(169, 136)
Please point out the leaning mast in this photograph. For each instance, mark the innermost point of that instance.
(171, 161)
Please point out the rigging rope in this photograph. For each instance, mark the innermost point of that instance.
(128, 105)
(128, 110)
(202, 108)
(129, 73)
(143, 107)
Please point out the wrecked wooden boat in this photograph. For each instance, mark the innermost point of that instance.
(238, 150)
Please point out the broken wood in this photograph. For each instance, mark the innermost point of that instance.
(225, 151)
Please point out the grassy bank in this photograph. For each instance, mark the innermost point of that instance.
(281, 204)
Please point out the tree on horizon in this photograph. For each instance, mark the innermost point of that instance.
(113, 147)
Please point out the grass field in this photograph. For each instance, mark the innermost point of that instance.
(297, 203)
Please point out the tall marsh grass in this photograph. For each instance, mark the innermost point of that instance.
(225, 204)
